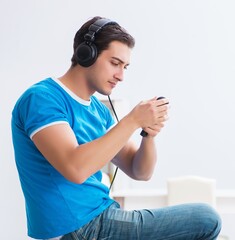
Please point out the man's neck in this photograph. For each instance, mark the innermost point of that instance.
(74, 79)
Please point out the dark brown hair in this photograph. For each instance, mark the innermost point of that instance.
(109, 33)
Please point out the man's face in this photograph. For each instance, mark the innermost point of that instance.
(109, 68)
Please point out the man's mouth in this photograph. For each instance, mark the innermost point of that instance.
(113, 84)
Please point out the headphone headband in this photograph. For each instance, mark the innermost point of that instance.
(96, 27)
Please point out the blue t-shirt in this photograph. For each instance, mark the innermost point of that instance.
(54, 205)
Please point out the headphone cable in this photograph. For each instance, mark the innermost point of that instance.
(115, 114)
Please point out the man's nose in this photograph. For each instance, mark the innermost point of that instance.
(119, 75)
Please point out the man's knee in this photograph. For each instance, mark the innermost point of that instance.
(207, 221)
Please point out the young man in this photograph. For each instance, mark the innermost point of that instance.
(63, 136)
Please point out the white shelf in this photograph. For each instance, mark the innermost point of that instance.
(220, 193)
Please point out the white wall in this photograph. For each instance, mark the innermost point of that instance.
(185, 51)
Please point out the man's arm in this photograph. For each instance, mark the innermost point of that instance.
(76, 162)
(139, 163)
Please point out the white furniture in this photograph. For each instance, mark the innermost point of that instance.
(190, 189)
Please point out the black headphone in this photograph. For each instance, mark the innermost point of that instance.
(86, 52)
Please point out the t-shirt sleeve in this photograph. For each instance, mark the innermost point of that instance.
(41, 109)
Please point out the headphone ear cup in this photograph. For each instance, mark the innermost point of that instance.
(86, 54)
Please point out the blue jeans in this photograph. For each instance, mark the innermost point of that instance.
(181, 222)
